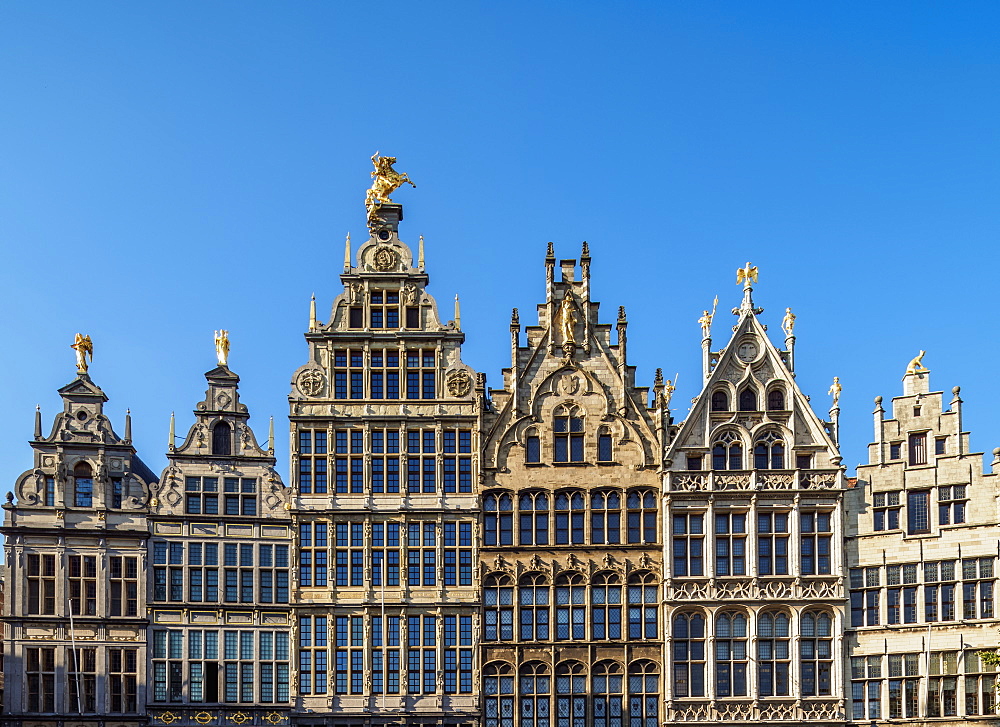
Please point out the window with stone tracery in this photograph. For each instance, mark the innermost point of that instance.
(571, 694)
(571, 607)
(731, 657)
(643, 605)
(498, 612)
(533, 601)
(773, 654)
(609, 690)
(498, 520)
(641, 516)
(498, 686)
(606, 608)
(727, 452)
(605, 517)
(534, 518)
(689, 654)
(536, 686)
(567, 426)
(769, 452)
(643, 690)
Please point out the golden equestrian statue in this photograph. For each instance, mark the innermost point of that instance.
(387, 180)
(84, 347)
(916, 365)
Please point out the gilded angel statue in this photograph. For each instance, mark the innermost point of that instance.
(84, 347)
(222, 347)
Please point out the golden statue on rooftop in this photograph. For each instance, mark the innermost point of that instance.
(222, 347)
(916, 366)
(386, 181)
(747, 275)
(568, 318)
(84, 347)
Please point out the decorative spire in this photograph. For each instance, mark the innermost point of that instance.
(222, 347)
(515, 318)
(128, 426)
(621, 313)
(312, 313)
(347, 253)
(420, 254)
(458, 314)
(585, 254)
(38, 421)
(171, 438)
(747, 275)
(658, 381)
(550, 252)
(270, 437)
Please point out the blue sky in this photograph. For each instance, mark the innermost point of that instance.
(171, 168)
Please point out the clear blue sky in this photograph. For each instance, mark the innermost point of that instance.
(172, 168)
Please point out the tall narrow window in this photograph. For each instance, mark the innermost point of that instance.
(608, 694)
(688, 539)
(748, 400)
(769, 452)
(568, 428)
(816, 654)
(40, 668)
(772, 543)
(918, 511)
(498, 520)
(222, 439)
(918, 448)
(775, 400)
(773, 656)
(727, 452)
(643, 690)
(84, 478)
(532, 447)
(498, 686)
(533, 599)
(384, 373)
(816, 533)
(606, 612)
(534, 518)
(605, 518)
(731, 655)
(498, 611)
(641, 516)
(82, 584)
(535, 689)
(571, 607)
(730, 543)
(689, 655)
(604, 450)
(571, 691)
(642, 606)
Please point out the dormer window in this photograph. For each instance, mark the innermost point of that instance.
(222, 439)
(748, 400)
(84, 488)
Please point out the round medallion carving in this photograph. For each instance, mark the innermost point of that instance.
(385, 258)
(459, 383)
(311, 383)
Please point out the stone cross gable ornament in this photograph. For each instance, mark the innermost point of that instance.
(386, 181)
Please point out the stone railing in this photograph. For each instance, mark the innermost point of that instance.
(729, 480)
(778, 711)
(743, 589)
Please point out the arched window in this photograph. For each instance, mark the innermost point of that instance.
(498, 602)
(731, 655)
(643, 691)
(769, 452)
(568, 428)
(720, 400)
(606, 517)
(533, 598)
(727, 452)
(606, 597)
(608, 690)
(773, 657)
(499, 520)
(498, 684)
(605, 451)
(84, 487)
(570, 515)
(775, 400)
(534, 518)
(571, 690)
(748, 400)
(532, 447)
(535, 689)
(642, 606)
(222, 439)
(571, 608)
(641, 516)
(689, 655)
(816, 654)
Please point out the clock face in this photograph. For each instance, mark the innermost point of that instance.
(747, 351)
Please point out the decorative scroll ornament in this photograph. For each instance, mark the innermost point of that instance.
(311, 383)
(459, 383)
(84, 347)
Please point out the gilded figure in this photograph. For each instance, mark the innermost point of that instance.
(747, 275)
(788, 323)
(835, 390)
(916, 366)
(84, 347)
(706, 319)
(386, 181)
(568, 318)
(222, 347)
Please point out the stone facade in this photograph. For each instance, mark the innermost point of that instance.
(555, 552)
(922, 549)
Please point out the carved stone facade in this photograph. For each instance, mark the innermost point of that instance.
(555, 552)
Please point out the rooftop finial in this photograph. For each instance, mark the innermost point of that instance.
(222, 347)
(347, 253)
(38, 421)
(515, 318)
(84, 347)
(747, 275)
(550, 252)
(270, 436)
(586, 250)
(171, 438)
(458, 314)
(128, 425)
(621, 313)
(312, 313)
(420, 254)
